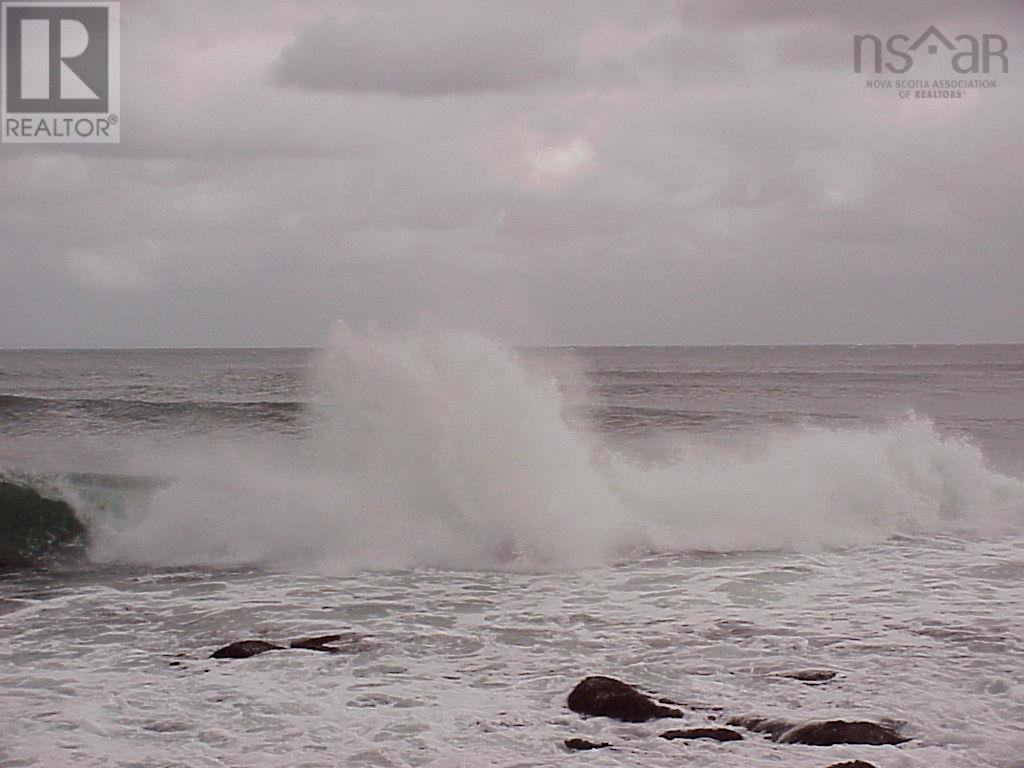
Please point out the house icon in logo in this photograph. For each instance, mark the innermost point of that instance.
(933, 31)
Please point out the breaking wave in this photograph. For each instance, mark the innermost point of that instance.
(35, 523)
(446, 450)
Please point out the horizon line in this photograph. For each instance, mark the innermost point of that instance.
(694, 345)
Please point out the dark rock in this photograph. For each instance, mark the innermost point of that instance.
(811, 675)
(820, 733)
(243, 649)
(350, 642)
(718, 734)
(581, 744)
(825, 733)
(608, 697)
(772, 726)
(317, 643)
(852, 764)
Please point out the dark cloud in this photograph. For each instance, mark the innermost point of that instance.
(425, 50)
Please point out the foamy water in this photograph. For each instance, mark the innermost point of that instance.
(695, 522)
(468, 668)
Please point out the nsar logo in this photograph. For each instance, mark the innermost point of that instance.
(969, 55)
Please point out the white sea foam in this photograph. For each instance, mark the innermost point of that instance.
(444, 449)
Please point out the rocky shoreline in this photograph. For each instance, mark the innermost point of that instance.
(600, 696)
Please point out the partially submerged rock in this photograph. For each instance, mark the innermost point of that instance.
(718, 734)
(825, 733)
(811, 675)
(317, 643)
(608, 697)
(582, 744)
(774, 727)
(852, 764)
(351, 642)
(243, 649)
(821, 733)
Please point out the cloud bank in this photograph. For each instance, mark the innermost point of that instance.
(654, 172)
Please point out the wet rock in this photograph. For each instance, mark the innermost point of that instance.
(243, 649)
(820, 733)
(774, 727)
(581, 744)
(350, 642)
(317, 643)
(608, 697)
(811, 675)
(825, 733)
(852, 764)
(718, 734)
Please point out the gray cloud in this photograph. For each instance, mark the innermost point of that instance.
(426, 50)
(862, 15)
(602, 173)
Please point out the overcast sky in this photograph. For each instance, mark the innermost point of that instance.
(551, 173)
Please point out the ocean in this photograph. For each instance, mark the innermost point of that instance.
(485, 527)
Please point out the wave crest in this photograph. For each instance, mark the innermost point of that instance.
(441, 449)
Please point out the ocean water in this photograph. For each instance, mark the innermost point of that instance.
(493, 525)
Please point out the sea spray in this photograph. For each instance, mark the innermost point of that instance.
(813, 487)
(429, 449)
(443, 449)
